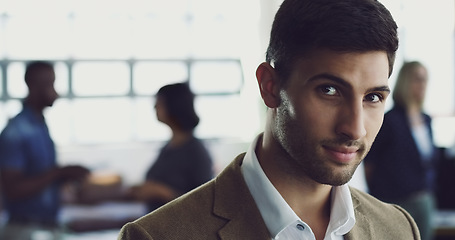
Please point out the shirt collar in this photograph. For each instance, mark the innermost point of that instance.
(275, 211)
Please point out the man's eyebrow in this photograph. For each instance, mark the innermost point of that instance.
(331, 77)
(344, 83)
(380, 89)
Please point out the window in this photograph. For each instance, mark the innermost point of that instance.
(216, 77)
(149, 76)
(100, 79)
(15, 80)
(109, 63)
(61, 78)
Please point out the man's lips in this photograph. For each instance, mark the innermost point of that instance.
(342, 154)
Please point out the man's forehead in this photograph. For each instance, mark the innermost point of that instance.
(345, 66)
(331, 59)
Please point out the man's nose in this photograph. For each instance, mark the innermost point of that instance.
(351, 122)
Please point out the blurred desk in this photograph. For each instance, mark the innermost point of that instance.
(445, 224)
(103, 216)
(97, 235)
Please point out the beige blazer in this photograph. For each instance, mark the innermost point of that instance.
(224, 209)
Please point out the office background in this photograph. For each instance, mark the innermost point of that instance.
(111, 56)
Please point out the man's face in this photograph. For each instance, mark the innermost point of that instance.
(331, 109)
(42, 87)
(418, 79)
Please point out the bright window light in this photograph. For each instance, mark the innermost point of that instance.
(216, 77)
(16, 83)
(148, 77)
(101, 78)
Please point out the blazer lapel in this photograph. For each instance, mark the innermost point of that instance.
(362, 228)
(233, 201)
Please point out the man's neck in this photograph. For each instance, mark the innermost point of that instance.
(36, 108)
(180, 137)
(307, 198)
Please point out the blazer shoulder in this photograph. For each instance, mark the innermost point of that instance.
(202, 213)
(363, 200)
(173, 220)
(384, 220)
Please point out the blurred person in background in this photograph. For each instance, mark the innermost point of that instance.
(183, 162)
(29, 175)
(401, 165)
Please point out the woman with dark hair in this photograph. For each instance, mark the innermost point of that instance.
(183, 163)
(174, 107)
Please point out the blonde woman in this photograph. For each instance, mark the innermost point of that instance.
(400, 166)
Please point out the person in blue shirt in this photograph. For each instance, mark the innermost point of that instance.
(30, 176)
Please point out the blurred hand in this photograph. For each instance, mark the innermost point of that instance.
(73, 173)
(151, 190)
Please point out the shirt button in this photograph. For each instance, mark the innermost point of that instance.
(300, 227)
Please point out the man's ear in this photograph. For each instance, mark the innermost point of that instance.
(268, 83)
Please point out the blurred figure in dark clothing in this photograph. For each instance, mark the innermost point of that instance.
(183, 163)
(401, 165)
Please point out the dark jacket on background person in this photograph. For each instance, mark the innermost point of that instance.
(400, 171)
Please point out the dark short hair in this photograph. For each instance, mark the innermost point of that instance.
(34, 66)
(301, 26)
(179, 103)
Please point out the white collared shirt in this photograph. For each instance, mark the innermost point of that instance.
(280, 219)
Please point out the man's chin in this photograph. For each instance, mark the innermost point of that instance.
(337, 179)
(336, 183)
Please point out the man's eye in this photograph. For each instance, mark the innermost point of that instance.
(329, 90)
(373, 98)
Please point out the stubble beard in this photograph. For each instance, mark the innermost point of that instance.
(304, 156)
